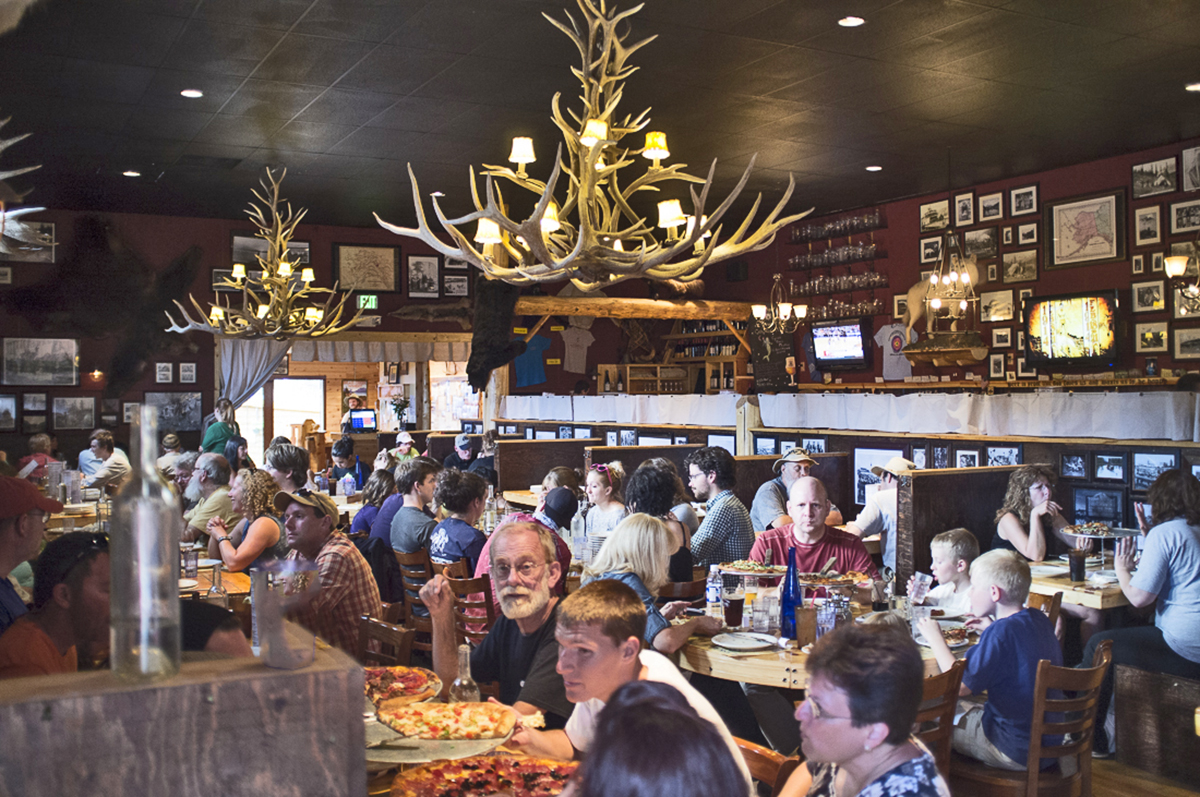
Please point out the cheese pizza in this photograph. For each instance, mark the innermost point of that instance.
(481, 776)
(450, 720)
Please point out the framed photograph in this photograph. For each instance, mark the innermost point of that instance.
(1187, 248)
(8, 412)
(5, 275)
(1023, 201)
(1003, 455)
(1108, 466)
(995, 366)
(373, 269)
(41, 361)
(1185, 216)
(74, 413)
(164, 373)
(583, 432)
(1155, 177)
(993, 273)
(456, 286)
(110, 405)
(565, 433)
(784, 445)
(1027, 234)
(1099, 505)
(1187, 344)
(1001, 337)
(1191, 169)
(725, 441)
(983, 243)
(1139, 266)
(1021, 339)
(456, 264)
(130, 410)
(764, 446)
(393, 377)
(529, 435)
(1147, 466)
(1020, 266)
(1149, 297)
(935, 215)
(1072, 466)
(544, 434)
(40, 250)
(108, 421)
(1157, 264)
(423, 277)
(1184, 308)
(1023, 369)
(931, 250)
(1147, 226)
(177, 412)
(939, 456)
(629, 437)
(33, 424)
(864, 460)
(996, 306)
(918, 457)
(991, 206)
(1151, 338)
(813, 445)
(1152, 366)
(247, 247)
(610, 439)
(1085, 230)
(966, 457)
(1022, 295)
(964, 209)
(899, 305)
(33, 402)
(1008, 236)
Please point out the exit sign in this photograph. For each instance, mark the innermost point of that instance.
(368, 301)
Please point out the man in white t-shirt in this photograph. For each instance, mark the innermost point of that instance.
(599, 633)
(880, 513)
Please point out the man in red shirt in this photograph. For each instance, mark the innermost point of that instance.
(815, 543)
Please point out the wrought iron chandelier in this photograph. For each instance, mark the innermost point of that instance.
(779, 316)
(1187, 295)
(952, 284)
(589, 233)
(276, 302)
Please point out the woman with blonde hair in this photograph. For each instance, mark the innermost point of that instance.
(221, 429)
(259, 537)
(636, 554)
(603, 489)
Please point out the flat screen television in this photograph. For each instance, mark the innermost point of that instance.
(842, 345)
(1076, 329)
(362, 420)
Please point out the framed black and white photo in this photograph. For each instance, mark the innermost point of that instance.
(983, 243)
(813, 445)
(1154, 177)
(1008, 236)
(764, 446)
(1003, 455)
(1024, 371)
(1001, 337)
(1021, 339)
(1191, 169)
(130, 411)
(5, 275)
(1073, 466)
(993, 274)
(935, 215)
(423, 277)
(1187, 344)
(964, 209)
(1147, 466)
(1157, 264)
(1027, 234)
(918, 457)
(75, 412)
(1022, 295)
(966, 457)
(529, 435)
(374, 269)
(1185, 216)
(1108, 466)
(864, 460)
(456, 286)
(246, 248)
(543, 434)
(996, 306)
(164, 373)
(995, 366)
(1085, 231)
(1149, 297)
(33, 424)
(610, 439)
(1023, 201)
(629, 437)
(8, 412)
(1099, 505)
(1139, 267)
(725, 441)
(110, 405)
(456, 264)
(565, 433)
(177, 412)
(991, 206)
(38, 250)
(931, 250)
(108, 421)
(1183, 309)
(583, 432)
(1020, 266)
(784, 446)
(41, 361)
(1151, 338)
(33, 402)
(1147, 226)
(681, 440)
(939, 456)
(899, 305)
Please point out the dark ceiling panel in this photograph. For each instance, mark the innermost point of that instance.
(419, 114)
(358, 20)
(264, 99)
(894, 25)
(94, 80)
(347, 107)
(247, 131)
(222, 48)
(275, 14)
(162, 123)
(311, 59)
(308, 136)
(377, 142)
(390, 69)
(122, 35)
(462, 25)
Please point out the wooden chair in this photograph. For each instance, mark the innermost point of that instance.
(459, 569)
(574, 580)
(1050, 605)
(395, 643)
(766, 765)
(937, 706)
(691, 591)
(393, 612)
(1075, 716)
(415, 570)
(474, 612)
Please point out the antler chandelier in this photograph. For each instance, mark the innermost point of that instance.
(952, 284)
(273, 303)
(590, 234)
(16, 234)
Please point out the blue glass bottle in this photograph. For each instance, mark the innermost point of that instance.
(789, 598)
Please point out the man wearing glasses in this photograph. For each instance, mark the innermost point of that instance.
(21, 531)
(520, 650)
(70, 610)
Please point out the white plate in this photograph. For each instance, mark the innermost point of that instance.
(949, 614)
(1093, 560)
(188, 583)
(920, 640)
(1103, 578)
(1046, 570)
(209, 563)
(743, 640)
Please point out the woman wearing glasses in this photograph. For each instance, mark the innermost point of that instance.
(864, 688)
(603, 488)
(259, 537)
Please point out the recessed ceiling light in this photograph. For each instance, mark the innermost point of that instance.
(131, 173)
(192, 94)
(874, 168)
(851, 22)
(1192, 87)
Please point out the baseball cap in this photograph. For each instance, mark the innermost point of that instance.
(560, 506)
(18, 496)
(795, 455)
(404, 437)
(897, 466)
(462, 441)
(317, 500)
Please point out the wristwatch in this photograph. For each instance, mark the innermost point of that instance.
(222, 538)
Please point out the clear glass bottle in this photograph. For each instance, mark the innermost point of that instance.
(144, 551)
(464, 689)
(489, 510)
(217, 595)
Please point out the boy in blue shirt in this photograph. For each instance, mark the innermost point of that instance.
(1004, 663)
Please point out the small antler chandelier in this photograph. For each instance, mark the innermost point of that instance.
(952, 284)
(275, 304)
(779, 315)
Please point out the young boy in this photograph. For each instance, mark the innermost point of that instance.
(953, 552)
(1003, 664)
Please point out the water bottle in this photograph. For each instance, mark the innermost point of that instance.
(464, 689)
(712, 594)
(348, 484)
(789, 598)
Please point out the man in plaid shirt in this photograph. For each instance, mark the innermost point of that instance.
(348, 589)
(726, 534)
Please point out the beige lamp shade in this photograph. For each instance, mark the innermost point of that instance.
(285, 268)
(550, 221)
(656, 146)
(801, 310)
(1175, 265)
(759, 311)
(216, 315)
(239, 271)
(595, 130)
(670, 214)
(261, 312)
(619, 245)
(487, 232)
(522, 150)
(307, 275)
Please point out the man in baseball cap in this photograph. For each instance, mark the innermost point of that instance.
(879, 513)
(769, 510)
(23, 513)
(462, 455)
(348, 589)
(404, 448)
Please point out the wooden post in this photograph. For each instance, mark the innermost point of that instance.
(748, 417)
(493, 396)
(422, 399)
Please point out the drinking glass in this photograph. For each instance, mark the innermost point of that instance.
(920, 587)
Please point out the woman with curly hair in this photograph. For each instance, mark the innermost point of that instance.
(379, 486)
(259, 537)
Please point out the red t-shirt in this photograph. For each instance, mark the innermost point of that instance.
(26, 650)
(848, 550)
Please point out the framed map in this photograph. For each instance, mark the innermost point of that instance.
(1085, 231)
(366, 268)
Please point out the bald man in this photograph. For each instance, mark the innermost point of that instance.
(815, 543)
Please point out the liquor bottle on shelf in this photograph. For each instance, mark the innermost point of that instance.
(620, 383)
(464, 689)
(715, 383)
(607, 383)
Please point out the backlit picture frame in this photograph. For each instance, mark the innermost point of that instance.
(423, 276)
(995, 306)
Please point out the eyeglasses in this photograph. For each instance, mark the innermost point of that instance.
(526, 570)
(818, 713)
(97, 541)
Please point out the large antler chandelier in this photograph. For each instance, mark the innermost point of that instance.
(952, 284)
(14, 233)
(589, 233)
(275, 304)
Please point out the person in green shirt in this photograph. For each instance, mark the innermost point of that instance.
(220, 430)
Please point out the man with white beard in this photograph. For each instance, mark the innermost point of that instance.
(520, 651)
(209, 487)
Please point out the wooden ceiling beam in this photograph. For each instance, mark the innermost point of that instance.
(617, 307)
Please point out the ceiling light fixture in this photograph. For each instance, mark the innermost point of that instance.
(131, 173)
(1188, 295)
(779, 316)
(192, 94)
(874, 168)
(851, 22)
(274, 305)
(596, 211)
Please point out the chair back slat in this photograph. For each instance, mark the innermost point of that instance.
(762, 762)
(1050, 605)
(415, 570)
(474, 612)
(393, 646)
(938, 701)
(692, 591)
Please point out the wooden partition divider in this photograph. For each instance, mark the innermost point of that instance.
(932, 501)
(441, 444)
(521, 463)
(632, 456)
(419, 436)
(832, 469)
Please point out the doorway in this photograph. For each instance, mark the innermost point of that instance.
(296, 401)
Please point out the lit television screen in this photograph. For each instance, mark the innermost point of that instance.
(362, 420)
(1079, 329)
(839, 344)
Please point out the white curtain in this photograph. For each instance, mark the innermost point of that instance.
(246, 365)
(341, 351)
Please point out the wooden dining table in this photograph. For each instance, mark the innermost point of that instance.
(1051, 576)
(236, 584)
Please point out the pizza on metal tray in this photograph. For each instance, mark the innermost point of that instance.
(392, 687)
(480, 776)
(450, 720)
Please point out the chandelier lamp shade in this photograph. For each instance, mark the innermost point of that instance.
(1176, 267)
(779, 315)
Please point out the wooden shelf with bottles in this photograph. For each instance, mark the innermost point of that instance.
(718, 346)
(648, 379)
